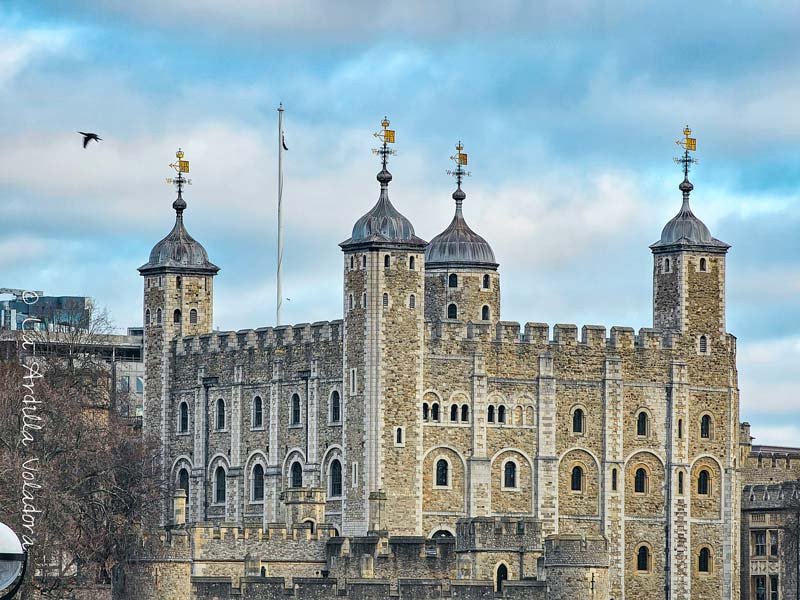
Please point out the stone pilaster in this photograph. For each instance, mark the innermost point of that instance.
(547, 461)
(612, 500)
(679, 560)
(478, 464)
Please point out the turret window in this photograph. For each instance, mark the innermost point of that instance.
(386, 261)
(352, 262)
(219, 487)
(193, 316)
(178, 282)
(452, 311)
(412, 301)
(258, 413)
(411, 263)
(350, 303)
(176, 317)
(486, 282)
(364, 261)
(257, 489)
(703, 265)
(147, 317)
(295, 407)
(667, 266)
(703, 345)
(485, 313)
(452, 280)
(183, 418)
(220, 414)
(335, 407)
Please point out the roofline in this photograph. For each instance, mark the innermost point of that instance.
(711, 248)
(165, 269)
(416, 244)
(460, 265)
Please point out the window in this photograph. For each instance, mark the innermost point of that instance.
(258, 412)
(680, 429)
(354, 474)
(613, 480)
(703, 344)
(336, 407)
(425, 411)
(139, 384)
(486, 282)
(183, 418)
(336, 479)
(178, 281)
(220, 414)
(297, 475)
(501, 414)
(485, 313)
(490, 414)
(442, 469)
(703, 265)
(452, 280)
(398, 436)
(510, 475)
(666, 265)
(352, 262)
(577, 421)
(640, 481)
(158, 317)
(642, 428)
(352, 382)
(501, 577)
(705, 427)
(464, 413)
(183, 482)
(759, 540)
(257, 490)
(576, 483)
(412, 301)
(704, 560)
(147, 317)
(351, 302)
(452, 311)
(680, 482)
(435, 411)
(411, 263)
(704, 483)
(295, 410)
(760, 586)
(193, 316)
(219, 485)
(386, 261)
(643, 559)
(385, 300)
(364, 261)
(774, 593)
(773, 543)
(176, 316)
(454, 412)
(125, 383)
(364, 300)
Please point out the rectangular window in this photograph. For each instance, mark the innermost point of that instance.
(760, 587)
(774, 594)
(352, 382)
(759, 539)
(139, 384)
(773, 543)
(355, 475)
(125, 383)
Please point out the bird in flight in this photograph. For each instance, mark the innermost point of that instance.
(88, 137)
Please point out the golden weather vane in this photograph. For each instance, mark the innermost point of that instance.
(689, 144)
(461, 159)
(386, 135)
(181, 166)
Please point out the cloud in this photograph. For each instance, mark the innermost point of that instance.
(776, 435)
(768, 376)
(19, 50)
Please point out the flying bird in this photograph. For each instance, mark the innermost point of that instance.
(88, 137)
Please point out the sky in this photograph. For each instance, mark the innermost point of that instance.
(569, 111)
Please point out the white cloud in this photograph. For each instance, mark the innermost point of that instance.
(768, 376)
(777, 435)
(19, 49)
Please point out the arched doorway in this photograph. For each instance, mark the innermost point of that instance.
(441, 533)
(500, 577)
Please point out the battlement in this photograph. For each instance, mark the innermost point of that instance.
(576, 551)
(493, 533)
(262, 338)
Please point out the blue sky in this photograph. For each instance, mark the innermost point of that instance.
(569, 111)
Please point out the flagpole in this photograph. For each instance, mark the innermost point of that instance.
(279, 291)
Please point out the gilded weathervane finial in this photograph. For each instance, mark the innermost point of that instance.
(386, 136)
(181, 166)
(689, 144)
(461, 159)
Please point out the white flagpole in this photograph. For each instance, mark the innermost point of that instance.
(279, 290)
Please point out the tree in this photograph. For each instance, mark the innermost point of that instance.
(76, 478)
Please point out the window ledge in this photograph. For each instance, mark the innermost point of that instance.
(334, 424)
(262, 428)
(256, 502)
(183, 433)
(509, 489)
(220, 431)
(296, 426)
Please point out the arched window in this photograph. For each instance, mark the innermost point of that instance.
(297, 475)
(412, 301)
(398, 436)
(219, 485)
(643, 559)
(703, 344)
(183, 418)
(364, 261)
(336, 479)
(703, 265)
(452, 311)
(500, 578)
(577, 421)
(411, 263)
(385, 300)
(704, 483)
(454, 412)
(704, 560)
(705, 426)
(176, 316)
(158, 317)
(613, 480)
(258, 412)
(485, 313)
(666, 265)
(640, 481)
(442, 473)
(435, 411)
(486, 282)
(183, 482)
(220, 414)
(336, 407)
(425, 411)
(680, 482)
(386, 260)
(178, 281)
(642, 426)
(452, 280)
(465, 412)
(295, 409)
(576, 484)
(490, 414)
(147, 317)
(257, 494)
(193, 316)
(510, 474)
(441, 534)
(501, 414)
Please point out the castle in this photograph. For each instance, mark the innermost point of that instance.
(423, 447)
